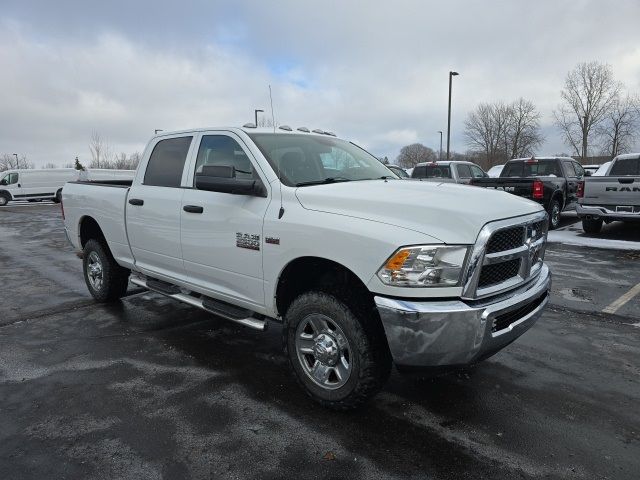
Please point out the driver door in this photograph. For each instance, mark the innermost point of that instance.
(221, 233)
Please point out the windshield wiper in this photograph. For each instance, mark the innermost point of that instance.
(324, 181)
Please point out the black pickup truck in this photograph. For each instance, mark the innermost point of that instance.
(551, 181)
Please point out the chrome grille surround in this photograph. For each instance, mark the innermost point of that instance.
(530, 252)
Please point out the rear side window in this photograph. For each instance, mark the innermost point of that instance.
(626, 166)
(568, 168)
(167, 162)
(431, 171)
(464, 171)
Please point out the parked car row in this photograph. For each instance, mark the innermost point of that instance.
(47, 183)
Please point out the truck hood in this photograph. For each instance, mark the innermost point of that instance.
(450, 212)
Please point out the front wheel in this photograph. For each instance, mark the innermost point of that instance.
(338, 362)
(4, 199)
(554, 214)
(590, 225)
(58, 197)
(106, 280)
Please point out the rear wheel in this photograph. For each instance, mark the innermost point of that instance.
(338, 362)
(554, 214)
(106, 280)
(591, 225)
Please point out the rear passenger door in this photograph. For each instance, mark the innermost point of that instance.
(153, 208)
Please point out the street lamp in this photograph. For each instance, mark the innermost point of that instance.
(17, 163)
(255, 112)
(451, 75)
(440, 156)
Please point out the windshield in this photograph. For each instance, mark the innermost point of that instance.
(431, 171)
(531, 168)
(310, 159)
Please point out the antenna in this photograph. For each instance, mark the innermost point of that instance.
(273, 120)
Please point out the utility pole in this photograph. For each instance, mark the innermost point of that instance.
(17, 162)
(440, 156)
(451, 75)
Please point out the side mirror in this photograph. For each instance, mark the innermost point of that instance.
(3, 181)
(222, 179)
(587, 173)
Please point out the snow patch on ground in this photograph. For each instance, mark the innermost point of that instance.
(570, 237)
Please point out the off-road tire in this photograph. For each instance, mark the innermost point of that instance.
(590, 225)
(554, 204)
(114, 277)
(369, 354)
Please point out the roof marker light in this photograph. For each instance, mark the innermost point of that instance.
(303, 129)
(285, 127)
(317, 130)
(249, 125)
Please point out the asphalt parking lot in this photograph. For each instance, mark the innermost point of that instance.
(148, 388)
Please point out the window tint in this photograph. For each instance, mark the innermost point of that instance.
(464, 171)
(579, 170)
(626, 166)
(531, 168)
(568, 168)
(167, 162)
(477, 172)
(221, 150)
(431, 171)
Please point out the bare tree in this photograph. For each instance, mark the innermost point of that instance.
(522, 134)
(49, 165)
(620, 126)
(497, 132)
(415, 153)
(100, 151)
(588, 95)
(486, 131)
(124, 162)
(9, 161)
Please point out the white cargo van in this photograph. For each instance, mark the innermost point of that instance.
(46, 184)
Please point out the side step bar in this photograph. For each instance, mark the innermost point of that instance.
(222, 309)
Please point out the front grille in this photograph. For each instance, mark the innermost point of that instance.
(506, 239)
(498, 272)
(503, 321)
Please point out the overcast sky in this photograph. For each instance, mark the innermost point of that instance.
(374, 72)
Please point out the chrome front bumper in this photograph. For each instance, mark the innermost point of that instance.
(456, 332)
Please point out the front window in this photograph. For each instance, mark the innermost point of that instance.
(308, 159)
(9, 179)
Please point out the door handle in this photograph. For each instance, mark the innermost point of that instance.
(136, 201)
(19, 186)
(626, 180)
(193, 209)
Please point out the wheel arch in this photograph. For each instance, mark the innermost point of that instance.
(6, 193)
(89, 228)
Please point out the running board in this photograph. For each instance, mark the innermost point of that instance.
(217, 307)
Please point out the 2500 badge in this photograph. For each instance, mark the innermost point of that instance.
(248, 240)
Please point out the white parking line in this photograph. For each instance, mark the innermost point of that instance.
(614, 306)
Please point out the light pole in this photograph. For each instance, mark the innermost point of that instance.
(17, 163)
(255, 112)
(451, 75)
(440, 156)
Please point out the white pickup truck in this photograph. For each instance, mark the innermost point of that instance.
(362, 270)
(612, 196)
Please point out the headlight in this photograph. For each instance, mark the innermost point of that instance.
(425, 266)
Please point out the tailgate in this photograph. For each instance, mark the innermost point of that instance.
(612, 191)
(518, 186)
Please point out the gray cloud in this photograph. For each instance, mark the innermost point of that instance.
(374, 73)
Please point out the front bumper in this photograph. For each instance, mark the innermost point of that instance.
(455, 332)
(605, 212)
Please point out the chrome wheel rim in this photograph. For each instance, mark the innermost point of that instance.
(323, 351)
(555, 214)
(94, 271)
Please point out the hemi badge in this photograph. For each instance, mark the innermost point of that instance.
(272, 240)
